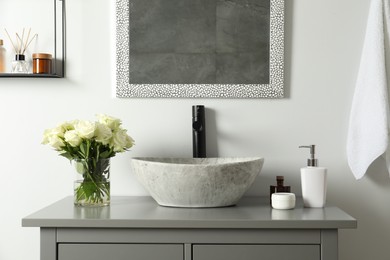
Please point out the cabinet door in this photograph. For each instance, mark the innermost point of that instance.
(256, 252)
(120, 252)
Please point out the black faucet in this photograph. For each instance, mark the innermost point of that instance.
(198, 132)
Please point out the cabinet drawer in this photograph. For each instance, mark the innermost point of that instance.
(120, 251)
(256, 252)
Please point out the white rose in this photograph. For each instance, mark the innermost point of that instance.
(119, 141)
(103, 133)
(66, 126)
(72, 138)
(111, 122)
(53, 137)
(85, 129)
(57, 131)
(46, 136)
(129, 142)
(56, 142)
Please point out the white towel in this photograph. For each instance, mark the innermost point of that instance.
(369, 119)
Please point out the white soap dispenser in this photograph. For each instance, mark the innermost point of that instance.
(313, 181)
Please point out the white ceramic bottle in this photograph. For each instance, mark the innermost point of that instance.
(313, 181)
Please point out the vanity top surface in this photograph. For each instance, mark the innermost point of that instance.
(144, 212)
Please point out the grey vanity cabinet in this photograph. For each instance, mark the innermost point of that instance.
(136, 228)
(176, 252)
(120, 252)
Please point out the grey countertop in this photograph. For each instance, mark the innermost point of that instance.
(144, 212)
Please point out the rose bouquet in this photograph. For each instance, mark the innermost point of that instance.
(90, 145)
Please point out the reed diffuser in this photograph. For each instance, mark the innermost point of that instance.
(20, 45)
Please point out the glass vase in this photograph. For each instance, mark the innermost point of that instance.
(92, 185)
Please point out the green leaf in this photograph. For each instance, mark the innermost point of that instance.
(88, 147)
(82, 148)
(80, 168)
(105, 154)
(67, 155)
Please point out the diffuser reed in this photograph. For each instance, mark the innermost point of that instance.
(20, 46)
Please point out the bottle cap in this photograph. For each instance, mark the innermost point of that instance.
(279, 180)
(19, 57)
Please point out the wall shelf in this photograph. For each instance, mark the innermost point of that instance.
(58, 43)
(29, 75)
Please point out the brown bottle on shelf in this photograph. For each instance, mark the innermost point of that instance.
(279, 187)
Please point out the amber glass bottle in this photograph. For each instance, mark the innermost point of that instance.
(2, 58)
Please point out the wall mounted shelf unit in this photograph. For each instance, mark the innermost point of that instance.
(58, 61)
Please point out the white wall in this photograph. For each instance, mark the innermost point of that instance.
(323, 44)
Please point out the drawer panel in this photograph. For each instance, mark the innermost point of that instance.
(120, 251)
(256, 252)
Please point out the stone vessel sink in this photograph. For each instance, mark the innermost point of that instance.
(196, 182)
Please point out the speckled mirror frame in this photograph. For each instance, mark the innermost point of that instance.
(272, 90)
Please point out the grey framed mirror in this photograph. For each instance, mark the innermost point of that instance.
(199, 48)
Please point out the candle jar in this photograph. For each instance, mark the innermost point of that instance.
(19, 65)
(42, 63)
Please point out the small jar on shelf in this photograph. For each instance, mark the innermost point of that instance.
(42, 63)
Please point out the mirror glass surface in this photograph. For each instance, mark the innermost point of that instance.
(203, 48)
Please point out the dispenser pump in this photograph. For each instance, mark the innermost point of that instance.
(312, 161)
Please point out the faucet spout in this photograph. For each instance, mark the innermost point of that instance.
(198, 132)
